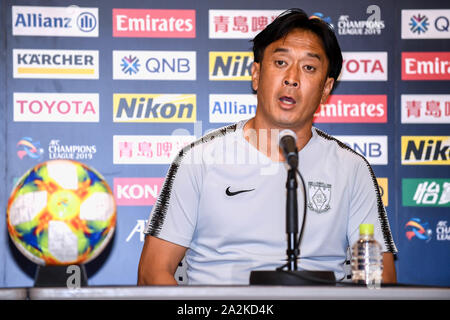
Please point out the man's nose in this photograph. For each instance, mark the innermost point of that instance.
(292, 83)
(291, 78)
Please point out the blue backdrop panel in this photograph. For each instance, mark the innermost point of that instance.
(371, 37)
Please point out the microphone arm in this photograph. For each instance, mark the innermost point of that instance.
(288, 141)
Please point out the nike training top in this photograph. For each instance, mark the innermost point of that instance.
(226, 202)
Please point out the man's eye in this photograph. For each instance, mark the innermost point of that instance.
(310, 68)
(280, 63)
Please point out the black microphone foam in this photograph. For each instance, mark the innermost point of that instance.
(288, 144)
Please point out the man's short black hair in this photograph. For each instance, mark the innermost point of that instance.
(297, 19)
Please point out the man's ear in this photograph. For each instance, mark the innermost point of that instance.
(255, 75)
(327, 88)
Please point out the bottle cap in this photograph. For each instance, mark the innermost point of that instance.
(366, 229)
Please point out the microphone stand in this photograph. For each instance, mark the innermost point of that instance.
(292, 276)
(292, 220)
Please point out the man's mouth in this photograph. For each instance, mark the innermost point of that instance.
(287, 100)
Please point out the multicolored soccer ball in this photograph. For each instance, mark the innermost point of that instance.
(61, 212)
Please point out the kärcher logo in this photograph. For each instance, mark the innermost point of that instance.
(55, 64)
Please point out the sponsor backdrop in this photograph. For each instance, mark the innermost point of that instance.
(121, 86)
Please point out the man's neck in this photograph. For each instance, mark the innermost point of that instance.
(265, 138)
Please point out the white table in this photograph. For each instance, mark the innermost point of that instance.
(241, 293)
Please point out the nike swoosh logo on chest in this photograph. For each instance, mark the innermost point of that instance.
(233, 193)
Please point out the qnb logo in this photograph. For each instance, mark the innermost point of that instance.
(130, 65)
(178, 65)
(154, 65)
(373, 148)
(417, 229)
(425, 23)
(419, 24)
(86, 22)
(29, 148)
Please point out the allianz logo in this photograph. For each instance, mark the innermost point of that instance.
(85, 21)
(232, 107)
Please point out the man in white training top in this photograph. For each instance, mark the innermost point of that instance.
(222, 205)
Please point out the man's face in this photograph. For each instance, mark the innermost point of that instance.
(291, 81)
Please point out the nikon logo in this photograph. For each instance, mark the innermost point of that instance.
(154, 108)
(423, 150)
(230, 65)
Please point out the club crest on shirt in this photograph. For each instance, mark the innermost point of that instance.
(319, 196)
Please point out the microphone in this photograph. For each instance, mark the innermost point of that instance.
(288, 144)
(292, 276)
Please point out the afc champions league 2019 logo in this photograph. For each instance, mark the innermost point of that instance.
(29, 148)
(418, 229)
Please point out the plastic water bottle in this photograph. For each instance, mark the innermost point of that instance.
(367, 258)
